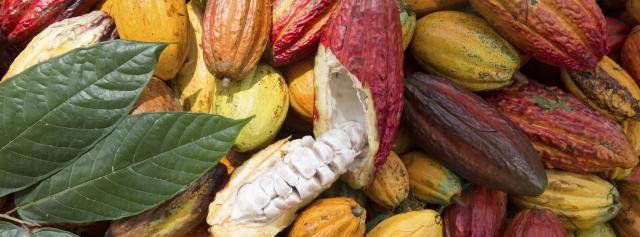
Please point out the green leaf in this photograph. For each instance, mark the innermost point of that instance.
(55, 111)
(147, 160)
(10, 230)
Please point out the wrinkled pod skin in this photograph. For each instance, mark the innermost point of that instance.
(468, 136)
(263, 194)
(570, 34)
(390, 186)
(480, 213)
(535, 223)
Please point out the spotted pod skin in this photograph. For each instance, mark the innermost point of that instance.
(535, 223)
(567, 33)
(469, 137)
(297, 27)
(630, 55)
(481, 213)
(567, 134)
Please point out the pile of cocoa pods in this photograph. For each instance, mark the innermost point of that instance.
(458, 118)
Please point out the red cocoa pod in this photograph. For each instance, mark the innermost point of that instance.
(470, 137)
(535, 223)
(359, 65)
(569, 34)
(21, 20)
(480, 213)
(567, 133)
(297, 27)
(618, 31)
(630, 56)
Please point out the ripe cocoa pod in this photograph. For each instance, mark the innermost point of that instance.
(408, 22)
(423, 7)
(431, 182)
(297, 27)
(339, 217)
(480, 213)
(617, 174)
(579, 200)
(633, 9)
(390, 186)
(608, 89)
(630, 55)
(403, 142)
(63, 36)
(489, 149)
(194, 84)
(235, 35)
(534, 223)
(567, 133)
(177, 216)
(627, 223)
(463, 48)
(264, 193)
(618, 31)
(300, 80)
(572, 34)
(599, 230)
(423, 223)
(348, 87)
(156, 21)
(21, 20)
(156, 97)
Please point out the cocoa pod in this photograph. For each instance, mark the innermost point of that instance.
(423, 7)
(489, 150)
(627, 223)
(599, 230)
(569, 34)
(234, 36)
(403, 142)
(608, 89)
(339, 217)
(579, 200)
(633, 9)
(567, 133)
(299, 77)
(156, 97)
(431, 182)
(631, 129)
(423, 223)
(630, 55)
(481, 212)
(534, 223)
(408, 22)
(463, 48)
(634, 177)
(348, 87)
(618, 31)
(391, 184)
(177, 216)
(297, 27)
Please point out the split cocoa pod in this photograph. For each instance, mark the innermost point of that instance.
(579, 200)
(567, 134)
(569, 34)
(339, 217)
(423, 223)
(630, 55)
(390, 186)
(431, 182)
(627, 223)
(535, 223)
(481, 212)
(463, 48)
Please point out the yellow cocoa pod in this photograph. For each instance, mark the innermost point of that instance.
(408, 22)
(194, 84)
(262, 93)
(423, 7)
(301, 92)
(599, 230)
(464, 49)
(390, 186)
(430, 182)
(631, 129)
(423, 223)
(331, 217)
(156, 21)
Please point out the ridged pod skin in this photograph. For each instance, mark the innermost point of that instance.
(156, 21)
(297, 27)
(579, 200)
(408, 22)
(235, 35)
(423, 7)
(567, 33)
(390, 186)
(423, 223)
(599, 230)
(177, 216)
(535, 223)
(608, 89)
(567, 133)
(463, 48)
(403, 142)
(431, 182)
(21, 20)
(630, 55)
(362, 35)
(62, 37)
(483, 214)
(156, 97)
(627, 223)
(471, 138)
(332, 217)
(299, 77)
(194, 84)
(633, 8)
(262, 93)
